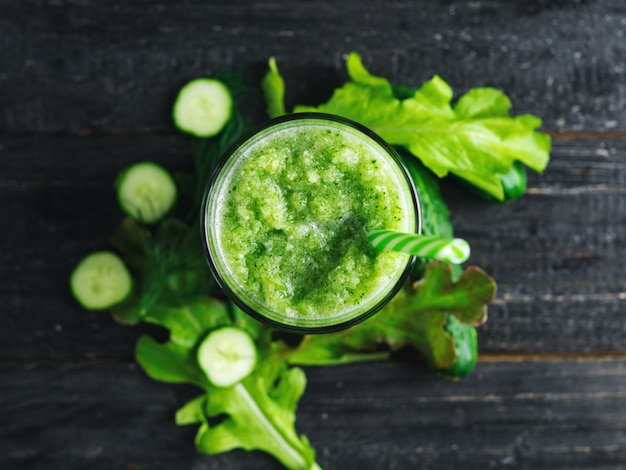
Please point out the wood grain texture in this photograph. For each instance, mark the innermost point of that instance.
(86, 89)
(75, 66)
(543, 414)
(558, 253)
(58, 205)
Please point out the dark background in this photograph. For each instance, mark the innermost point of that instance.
(86, 88)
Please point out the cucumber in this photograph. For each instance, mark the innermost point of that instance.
(465, 346)
(434, 211)
(227, 355)
(100, 281)
(146, 192)
(203, 107)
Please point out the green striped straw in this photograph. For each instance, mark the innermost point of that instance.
(450, 250)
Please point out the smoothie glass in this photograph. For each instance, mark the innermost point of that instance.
(285, 217)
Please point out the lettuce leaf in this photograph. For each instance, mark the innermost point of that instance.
(169, 362)
(476, 139)
(416, 317)
(257, 413)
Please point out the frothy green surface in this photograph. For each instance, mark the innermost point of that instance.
(293, 219)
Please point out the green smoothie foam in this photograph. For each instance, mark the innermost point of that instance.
(289, 217)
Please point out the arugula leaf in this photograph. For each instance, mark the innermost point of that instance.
(259, 414)
(477, 139)
(192, 412)
(415, 317)
(175, 361)
(188, 323)
(169, 362)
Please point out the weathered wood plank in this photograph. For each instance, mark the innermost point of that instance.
(58, 204)
(540, 414)
(72, 396)
(93, 65)
(557, 254)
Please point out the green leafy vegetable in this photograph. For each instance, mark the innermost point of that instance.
(175, 361)
(434, 212)
(257, 413)
(260, 415)
(192, 412)
(435, 221)
(188, 322)
(169, 362)
(416, 317)
(476, 139)
(170, 262)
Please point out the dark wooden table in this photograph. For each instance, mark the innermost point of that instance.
(86, 88)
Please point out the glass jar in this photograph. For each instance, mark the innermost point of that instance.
(285, 220)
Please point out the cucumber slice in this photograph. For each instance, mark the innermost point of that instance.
(100, 281)
(203, 107)
(146, 191)
(227, 355)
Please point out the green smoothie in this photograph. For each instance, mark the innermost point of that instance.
(287, 218)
